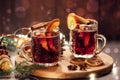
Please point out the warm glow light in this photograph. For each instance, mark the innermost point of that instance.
(92, 76)
(61, 35)
(116, 50)
(115, 72)
(107, 50)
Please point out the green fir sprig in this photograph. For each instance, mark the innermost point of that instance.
(23, 68)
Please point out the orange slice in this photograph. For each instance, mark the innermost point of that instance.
(44, 44)
(51, 45)
(81, 19)
(94, 62)
(5, 66)
(43, 41)
(3, 56)
(87, 39)
(77, 61)
(53, 24)
(71, 21)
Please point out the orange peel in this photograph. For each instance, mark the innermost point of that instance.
(53, 24)
(73, 19)
(44, 44)
(87, 39)
(81, 19)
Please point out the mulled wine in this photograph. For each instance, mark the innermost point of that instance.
(46, 48)
(83, 43)
(85, 40)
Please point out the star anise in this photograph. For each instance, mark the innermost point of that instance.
(83, 66)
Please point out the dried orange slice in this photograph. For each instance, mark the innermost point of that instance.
(77, 61)
(94, 62)
(44, 44)
(5, 66)
(53, 24)
(3, 56)
(71, 21)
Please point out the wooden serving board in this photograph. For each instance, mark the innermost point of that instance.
(61, 71)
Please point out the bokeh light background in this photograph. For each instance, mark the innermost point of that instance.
(16, 14)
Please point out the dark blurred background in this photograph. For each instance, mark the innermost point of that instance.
(16, 14)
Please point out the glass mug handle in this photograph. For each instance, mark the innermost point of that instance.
(25, 51)
(103, 39)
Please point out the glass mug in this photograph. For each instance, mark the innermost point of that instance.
(85, 40)
(45, 47)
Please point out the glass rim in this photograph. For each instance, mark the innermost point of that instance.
(51, 36)
(93, 22)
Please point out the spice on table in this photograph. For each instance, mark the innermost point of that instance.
(72, 67)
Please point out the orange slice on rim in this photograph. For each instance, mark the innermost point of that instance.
(50, 27)
(53, 24)
(81, 19)
(71, 21)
